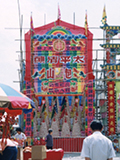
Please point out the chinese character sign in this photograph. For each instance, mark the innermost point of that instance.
(59, 54)
(59, 62)
(117, 87)
(89, 106)
(111, 108)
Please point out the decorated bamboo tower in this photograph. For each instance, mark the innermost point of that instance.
(59, 76)
(110, 108)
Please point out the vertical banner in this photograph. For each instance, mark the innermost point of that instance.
(117, 87)
(108, 55)
(28, 119)
(89, 106)
(111, 108)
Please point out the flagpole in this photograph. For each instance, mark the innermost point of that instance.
(44, 19)
(31, 39)
(21, 117)
(21, 52)
(74, 18)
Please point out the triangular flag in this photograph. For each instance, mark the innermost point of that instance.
(55, 109)
(86, 25)
(31, 27)
(63, 104)
(29, 106)
(104, 17)
(59, 14)
(63, 107)
(43, 108)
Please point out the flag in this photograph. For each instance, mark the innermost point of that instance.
(59, 14)
(43, 103)
(63, 107)
(31, 27)
(43, 108)
(86, 24)
(104, 17)
(45, 114)
(55, 109)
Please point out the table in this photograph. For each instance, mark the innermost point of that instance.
(55, 154)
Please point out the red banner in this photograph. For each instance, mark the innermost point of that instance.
(111, 108)
(90, 98)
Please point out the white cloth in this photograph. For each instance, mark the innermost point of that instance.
(97, 147)
(20, 139)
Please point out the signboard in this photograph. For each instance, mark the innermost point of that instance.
(59, 62)
(89, 106)
(111, 108)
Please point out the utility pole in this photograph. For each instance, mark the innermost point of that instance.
(21, 60)
(21, 51)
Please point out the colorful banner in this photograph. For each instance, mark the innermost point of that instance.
(60, 64)
(89, 106)
(111, 108)
(59, 59)
(117, 87)
(90, 97)
(28, 118)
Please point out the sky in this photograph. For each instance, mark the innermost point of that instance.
(10, 32)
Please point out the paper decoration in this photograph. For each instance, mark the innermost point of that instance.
(57, 66)
(43, 129)
(65, 129)
(76, 128)
(55, 128)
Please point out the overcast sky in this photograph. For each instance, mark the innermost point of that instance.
(9, 24)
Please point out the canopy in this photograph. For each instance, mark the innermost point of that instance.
(11, 99)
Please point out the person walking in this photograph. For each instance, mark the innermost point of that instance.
(97, 146)
(49, 139)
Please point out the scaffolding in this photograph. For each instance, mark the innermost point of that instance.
(99, 59)
(109, 54)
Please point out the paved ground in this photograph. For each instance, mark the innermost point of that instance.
(76, 156)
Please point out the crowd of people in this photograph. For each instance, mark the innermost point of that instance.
(95, 147)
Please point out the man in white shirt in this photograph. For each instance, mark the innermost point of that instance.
(20, 137)
(97, 146)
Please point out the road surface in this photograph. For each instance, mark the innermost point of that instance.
(76, 156)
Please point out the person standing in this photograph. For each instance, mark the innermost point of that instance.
(49, 139)
(8, 149)
(21, 138)
(97, 146)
